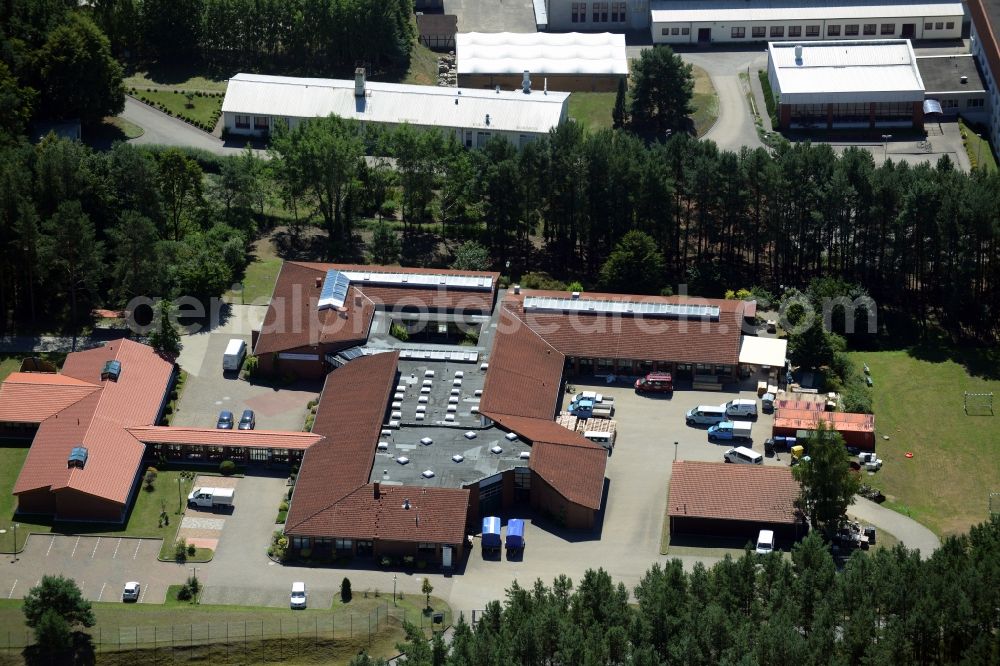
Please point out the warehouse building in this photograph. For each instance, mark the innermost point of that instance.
(589, 62)
(740, 21)
(735, 501)
(986, 49)
(841, 84)
(954, 83)
(255, 103)
(592, 16)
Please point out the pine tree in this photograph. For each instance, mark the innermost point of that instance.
(165, 338)
(619, 114)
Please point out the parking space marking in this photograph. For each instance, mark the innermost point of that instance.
(101, 593)
(119, 545)
(51, 543)
(11, 595)
(137, 544)
(142, 594)
(95, 548)
(73, 554)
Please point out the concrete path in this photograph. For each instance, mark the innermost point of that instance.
(734, 127)
(910, 533)
(169, 131)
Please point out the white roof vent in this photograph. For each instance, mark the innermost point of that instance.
(511, 436)
(798, 54)
(402, 460)
(524, 455)
(496, 449)
(427, 474)
(458, 457)
(387, 433)
(383, 446)
(576, 295)
(470, 434)
(426, 441)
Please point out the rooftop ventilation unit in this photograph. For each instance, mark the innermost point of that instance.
(511, 436)
(496, 449)
(383, 446)
(964, 79)
(112, 369)
(77, 457)
(359, 82)
(427, 474)
(526, 83)
(426, 441)
(470, 434)
(798, 54)
(458, 457)
(524, 455)
(402, 460)
(406, 504)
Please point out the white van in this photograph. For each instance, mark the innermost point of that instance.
(605, 439)
(744, 407)
(236, 351)
(706, 415)
(765, 542)
(743, 455)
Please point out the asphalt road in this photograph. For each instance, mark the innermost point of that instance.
(169, 131)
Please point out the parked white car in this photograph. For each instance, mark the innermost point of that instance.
(741, 407)
(765, 542)
(132, 591)
(298, 598)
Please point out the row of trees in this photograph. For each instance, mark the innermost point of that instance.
(84, 228)
(884, 607)
(290, 34)
(921, 240)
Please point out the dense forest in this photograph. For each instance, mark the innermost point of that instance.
(883, 607)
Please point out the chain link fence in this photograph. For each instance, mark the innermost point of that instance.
(259, 641)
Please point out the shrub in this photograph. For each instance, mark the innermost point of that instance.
(305, 553)
(184, 593)
(227, 467)
(399, 332)
(345, 590)
(194, 584)
(191, 549)
(385, 562)
(180, 550)
(283, 506)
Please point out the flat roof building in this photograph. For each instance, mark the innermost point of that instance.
(858, 430)
(954, 81)
(255, 102)
(849, 83)
(986, 48)
(735, 21)
(592, 62)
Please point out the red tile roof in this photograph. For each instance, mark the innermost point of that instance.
(273, 439)
(722, 491)
(809, 405)
(805, 419)
(99, 422)
(525, 372)
(32, 397)
(637, 338)
(293, 319)
(575, 472)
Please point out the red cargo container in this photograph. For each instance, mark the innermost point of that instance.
(858, 430)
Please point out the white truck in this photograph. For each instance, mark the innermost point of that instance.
(211, 498)
(236, 351)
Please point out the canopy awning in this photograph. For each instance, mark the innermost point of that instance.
(763, 351)
(932, 106)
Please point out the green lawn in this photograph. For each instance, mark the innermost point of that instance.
(977, 147)
(205, 108)
(175, 80)
(705, 102)
(258, 282)
(8, 364)
(423, 66)
(919, 405)
(592, 109)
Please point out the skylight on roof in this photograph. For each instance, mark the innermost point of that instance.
(472, 282)
(334, 293)
(640, 308)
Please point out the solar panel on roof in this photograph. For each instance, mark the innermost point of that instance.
(474, 282)
(621, 307)
(334, 292)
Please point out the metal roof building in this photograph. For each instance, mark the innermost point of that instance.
(255, 102)
(848, 83)
(709, 21)
(568, 61)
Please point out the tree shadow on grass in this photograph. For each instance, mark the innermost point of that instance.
(81, 654)
(980, 362)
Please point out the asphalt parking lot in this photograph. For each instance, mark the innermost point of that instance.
(504, 16)
(100, 565)
(208, 391)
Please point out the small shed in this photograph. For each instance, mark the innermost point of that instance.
(437, 31)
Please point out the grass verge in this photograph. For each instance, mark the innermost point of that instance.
(174, 79)
(977, 147)
(592, 109)
(258, 282)
(175, 396)
(705, 102)
(918, 403)
(772, 110)
(195, 108)
(423, 69)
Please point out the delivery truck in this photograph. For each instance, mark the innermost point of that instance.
(515, 535)
(491, 535)
(730, 431)
(211, 498)
(236, 351)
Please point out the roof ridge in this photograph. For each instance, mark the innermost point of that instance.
(533, 331)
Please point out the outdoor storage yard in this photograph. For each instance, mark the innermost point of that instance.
(918, 401)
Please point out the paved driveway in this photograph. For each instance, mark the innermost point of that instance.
(492, 15)
(169, 131)
(100, 565)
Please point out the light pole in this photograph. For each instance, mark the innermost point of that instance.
(15, 542)
(675, 451)
(393, 589)
(2, 532)
(885, 146)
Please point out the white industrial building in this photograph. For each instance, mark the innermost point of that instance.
(571, 61)
(710, 21)
(853, 83)
(591, 15)
(256, 103)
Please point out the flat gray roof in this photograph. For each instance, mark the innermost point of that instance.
(943, 74)
(435, 394)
